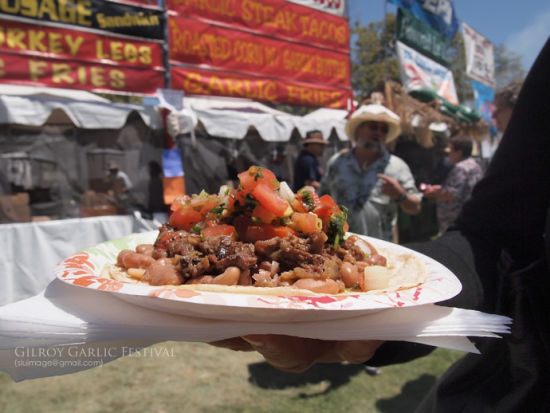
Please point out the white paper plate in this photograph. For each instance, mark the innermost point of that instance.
(84, 270)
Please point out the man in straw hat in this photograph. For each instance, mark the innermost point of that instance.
(368, 180)
(307, 170)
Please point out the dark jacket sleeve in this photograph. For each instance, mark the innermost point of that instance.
(453, 250)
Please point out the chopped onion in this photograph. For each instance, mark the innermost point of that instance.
(285, 192)
(223, 194)
(377, 277)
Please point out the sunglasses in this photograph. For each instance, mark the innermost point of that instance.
(378, 127)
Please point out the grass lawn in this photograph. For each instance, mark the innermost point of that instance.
(195, 377)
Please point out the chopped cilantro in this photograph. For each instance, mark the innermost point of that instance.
(336, 225)
(250, 202)
(307, 199)
(196, 229)
(258, 174)
(218, 209)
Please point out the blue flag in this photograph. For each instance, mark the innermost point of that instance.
(484, 97)
(171, 163)
(438, 14)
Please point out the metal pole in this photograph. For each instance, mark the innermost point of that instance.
(384, 45)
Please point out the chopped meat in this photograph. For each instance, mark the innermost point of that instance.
(184, 257)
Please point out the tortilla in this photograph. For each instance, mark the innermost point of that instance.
(405, 270)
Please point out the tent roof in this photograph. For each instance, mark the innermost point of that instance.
(50, 92)
(35, 106)
(232, 118)
(330, 118)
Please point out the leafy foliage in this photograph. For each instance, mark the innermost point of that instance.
(507, 66)
(373, 57)
(374, 60)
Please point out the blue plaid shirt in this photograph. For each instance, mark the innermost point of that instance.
(370, 211)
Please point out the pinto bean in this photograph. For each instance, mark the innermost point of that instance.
(203, 279)
(229, 277)
(327, 286)
(145, 249)
(132, 259)
(377, 259)
(349, 274)
(245, 278)
(162, 272)
(365, 246)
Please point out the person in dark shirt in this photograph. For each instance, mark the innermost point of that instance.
(500, 250)
(307, 170)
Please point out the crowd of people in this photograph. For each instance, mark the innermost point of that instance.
(494, 235)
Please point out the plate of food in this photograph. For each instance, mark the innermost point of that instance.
(261, 253)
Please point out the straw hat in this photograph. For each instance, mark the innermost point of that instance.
(377, 113)
(315, 138)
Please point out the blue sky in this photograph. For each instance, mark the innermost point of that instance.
(523, 26)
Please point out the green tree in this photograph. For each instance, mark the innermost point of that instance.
(507, 66)
(373, 57)
(373, 60)
(463, 85)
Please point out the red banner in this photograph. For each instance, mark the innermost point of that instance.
(28, 70)
(195, 81)
(146, 3)
(194, 42)
(276, 18)
(72, 44)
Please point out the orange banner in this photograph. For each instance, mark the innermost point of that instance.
(24, 69)
(173, 188)
(198, 43)
(79, 45)
(196, 81)
(276, 18)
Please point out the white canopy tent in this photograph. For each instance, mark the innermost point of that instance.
(76, 134)
(34, 106)
(233, 117)
(330, 118)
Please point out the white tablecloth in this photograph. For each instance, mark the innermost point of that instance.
(31, 250)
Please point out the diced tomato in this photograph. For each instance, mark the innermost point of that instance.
(185, 218)
(179, 202)
(220, 229)
(263, 232)
(298, 206)
(209, 204)
(255, 175)
(165, 238)
(305, 222)
(308, 199)
(263, 214)
(236, 198)
(327, 206)
(270, 200)
(241, 223)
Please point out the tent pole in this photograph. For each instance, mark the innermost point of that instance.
(384, 45)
